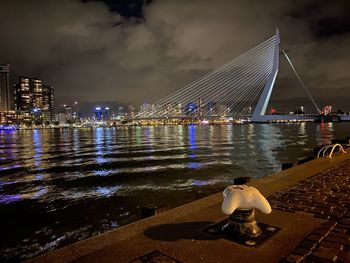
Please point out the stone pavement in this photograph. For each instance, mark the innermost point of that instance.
(325, 195)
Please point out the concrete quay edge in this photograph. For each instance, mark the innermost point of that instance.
(91, 249)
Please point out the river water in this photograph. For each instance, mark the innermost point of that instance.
(61, 186)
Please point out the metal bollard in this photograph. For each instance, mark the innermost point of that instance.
(240, 202)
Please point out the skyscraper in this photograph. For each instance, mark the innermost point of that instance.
(36, 92)
(34, 97)
(48, 101)
(22, 95)
(5, 92)
(132, 111)
(102, 114)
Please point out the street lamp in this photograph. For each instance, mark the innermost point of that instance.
(302, 109)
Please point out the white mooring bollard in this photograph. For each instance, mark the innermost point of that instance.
(240, 202)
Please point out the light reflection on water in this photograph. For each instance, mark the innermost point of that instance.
(72, 184)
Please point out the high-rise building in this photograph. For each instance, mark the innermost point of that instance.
(5, 91)
(102, 114)
(48, 101)
(121, 111)
(131, 111)
(22, 95)
(107, 114)
(36, 92)
(68, 111)
(34, 97)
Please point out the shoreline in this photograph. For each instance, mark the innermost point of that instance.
(15, 128)
(111, 244)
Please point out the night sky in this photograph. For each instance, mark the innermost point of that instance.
(135, 51)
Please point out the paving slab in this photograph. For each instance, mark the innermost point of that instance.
(186, 241)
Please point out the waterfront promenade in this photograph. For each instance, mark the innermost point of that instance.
(311, 207)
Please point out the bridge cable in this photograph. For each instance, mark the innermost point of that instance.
(302, 83)
(229, 90)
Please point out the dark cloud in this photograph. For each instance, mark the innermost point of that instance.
(132, 51)
(126, 8)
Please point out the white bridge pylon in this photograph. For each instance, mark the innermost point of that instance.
(229, 91)
(260, 109)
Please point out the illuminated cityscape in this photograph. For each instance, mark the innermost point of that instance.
(221, 97)
(28, 101)
(232, 93)
(143, 131)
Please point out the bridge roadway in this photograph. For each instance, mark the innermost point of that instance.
(267, 118)
(239, 118)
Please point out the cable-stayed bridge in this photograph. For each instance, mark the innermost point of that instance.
(240, 88)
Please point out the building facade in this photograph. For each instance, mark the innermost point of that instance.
(48, 101)
(6, 96)
(11, 117)
(34, 97)
(22, 95)
(131, 111)
(102, 114)
(36, 93)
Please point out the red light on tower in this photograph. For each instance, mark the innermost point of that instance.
(327, 110)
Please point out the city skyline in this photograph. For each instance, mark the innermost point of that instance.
(136, 51)
(174, 131)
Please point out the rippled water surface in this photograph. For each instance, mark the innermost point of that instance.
(60, 186)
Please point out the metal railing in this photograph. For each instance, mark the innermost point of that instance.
(333, 147)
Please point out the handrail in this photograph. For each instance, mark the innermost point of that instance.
(324, 149)
(340, 147)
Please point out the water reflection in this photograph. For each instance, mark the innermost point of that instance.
(324, 131)
(229, 134)
(37, 148)
(146, 134)
(192, 137)
(76, 140)
(269, 142)
(180, 134)
(192, 147)
(250, 133)
(97, 179)
(31, 193)
(103, 139)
